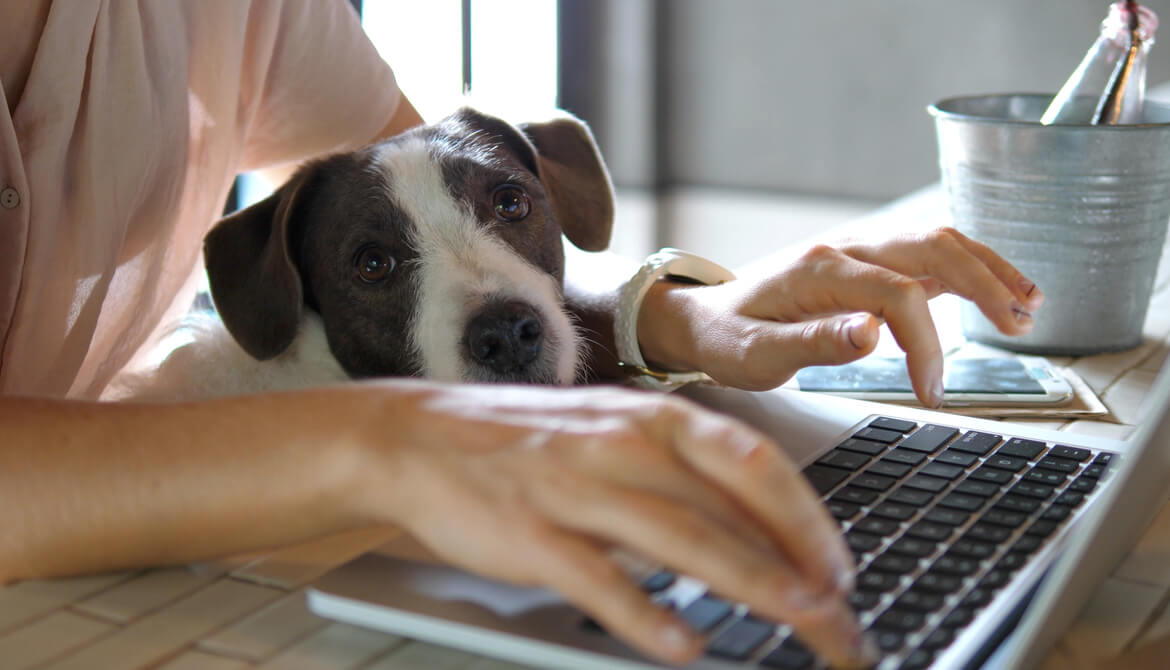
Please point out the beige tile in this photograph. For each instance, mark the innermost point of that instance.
(143, 594)
(1102, 371)
(1127, 396)
(197, 660)
(47, 638)
(338, 646)
(1153, 655)
(266, 632)
(24, 601)
(1060, 658)
(1149, 561)
(300, 564)
(1112, 617)
(156, 636)
(423, 656)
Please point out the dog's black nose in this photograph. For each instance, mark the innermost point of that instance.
(505, 336)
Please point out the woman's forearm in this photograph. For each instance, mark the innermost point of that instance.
(91, 487)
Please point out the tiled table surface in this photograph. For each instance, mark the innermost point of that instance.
(249, 612)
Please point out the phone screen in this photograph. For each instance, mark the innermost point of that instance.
(888, 375)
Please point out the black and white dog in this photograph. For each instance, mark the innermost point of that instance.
(435, 253)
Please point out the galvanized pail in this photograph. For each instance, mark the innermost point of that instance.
(1081, 210)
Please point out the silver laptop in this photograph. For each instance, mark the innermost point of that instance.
(963, 530)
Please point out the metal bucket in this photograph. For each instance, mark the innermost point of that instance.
(1080, 210)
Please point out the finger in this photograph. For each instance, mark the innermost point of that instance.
(964, 267)
(686, 540)
(781, 349)
(590, 580)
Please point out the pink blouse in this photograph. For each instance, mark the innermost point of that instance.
(120, 152)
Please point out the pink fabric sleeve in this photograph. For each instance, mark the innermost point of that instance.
(313, 82)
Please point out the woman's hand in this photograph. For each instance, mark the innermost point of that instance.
(535, 486)
(827, 306)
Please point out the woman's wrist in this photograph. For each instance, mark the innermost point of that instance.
(665, 326)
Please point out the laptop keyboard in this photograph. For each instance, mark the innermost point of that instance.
(938, 519)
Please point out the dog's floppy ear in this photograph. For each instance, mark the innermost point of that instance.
(574, 175)
(254, 282)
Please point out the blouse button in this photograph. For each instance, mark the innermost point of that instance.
(9, 198)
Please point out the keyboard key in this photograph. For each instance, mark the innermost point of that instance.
(862, 543)
(1012, 561)
(1017, 504)
(909, 546)
(935, 532)
(1073, 453)
(1059, 464)
(943, 470)
(855, 495)
(950, 517)
(890, 423)
(873, 482)
(955, 564)
(1042, 476)
(899, 619)
(1069, 498)
(986, 532)
(1009, 463)
(976, 443)
(927, 483)
(996, 578)
(1027, 544)
(956, 457)
(1103, 459)
(939, 639)
(993, 475)
(1042, 528)
(705, 612)
(910, 496)
(843, 511)
(741, 638)
(962, 502)
(888, 468)
(919, 659)
(877, 526)
(863, 601)
(790, 655)
(894, 564)
(973, 547)
(1083, 484)
(975, 488)
(937, 582)
(1002, 517)
(905, 456)
(958, 617)
(919, 601)
(929, 438)
(879, 435)
(889, 640)
(863, 446)
(1056, 513)
(846, 460)
(870, 580)
(1030, 490)
(896, 511)
(1026, 449)
(659, 581)
(1094, 471)
(823, 479)
(977, 597)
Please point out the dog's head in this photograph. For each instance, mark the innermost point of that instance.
(435, 253)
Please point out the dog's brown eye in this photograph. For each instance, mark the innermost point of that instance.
(373, 264)
(510, 202)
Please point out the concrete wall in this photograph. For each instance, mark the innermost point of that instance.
(824, 97)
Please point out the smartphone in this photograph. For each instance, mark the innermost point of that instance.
(966, 381)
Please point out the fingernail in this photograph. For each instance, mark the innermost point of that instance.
(677, 639)
(857, 331)
(864, 650)
(1026, 286)
(936, 393)
(1022, 315)
(845, 575)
